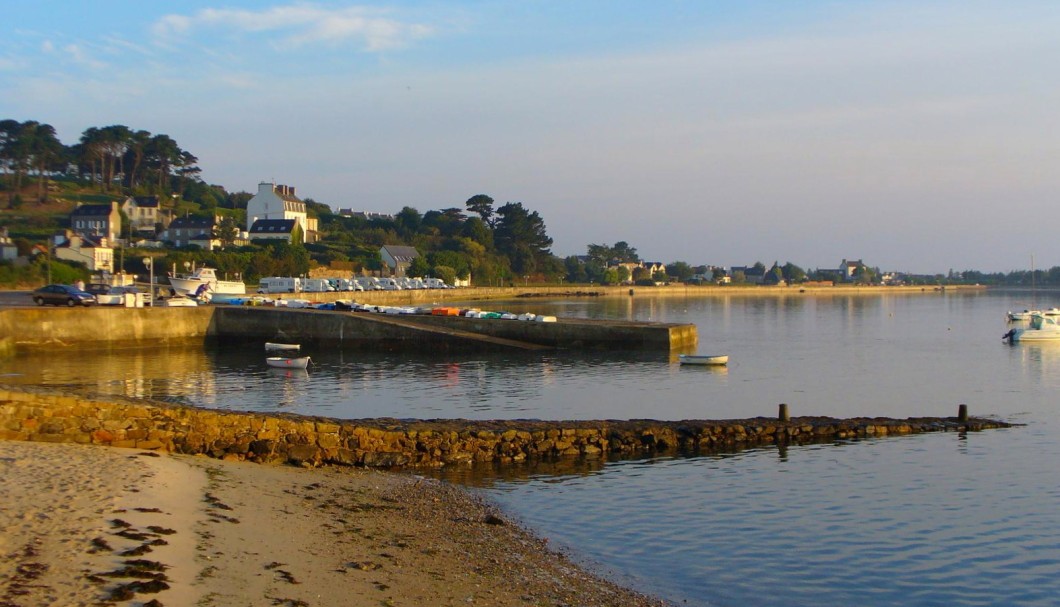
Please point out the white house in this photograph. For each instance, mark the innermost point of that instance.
(279, 202)
(96, 254)
(144, 213)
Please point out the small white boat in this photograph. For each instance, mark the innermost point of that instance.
(282, 362)
(695, 359)
(276, 347)
(179, 301)
(1024, 315)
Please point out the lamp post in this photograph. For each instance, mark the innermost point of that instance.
(151, 284)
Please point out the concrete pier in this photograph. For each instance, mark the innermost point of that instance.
(37, 328)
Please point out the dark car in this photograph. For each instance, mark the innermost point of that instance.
(60, 295)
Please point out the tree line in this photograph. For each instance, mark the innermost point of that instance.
(112, 158)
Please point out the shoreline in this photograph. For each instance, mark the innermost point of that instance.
(215, 532)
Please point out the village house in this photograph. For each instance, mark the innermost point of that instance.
(276, 229)
(95, 253)
(97, 221)
(198, 231)
(275, 201)
(368, 215)
(8, 249)
(398, 258)
(145, 213)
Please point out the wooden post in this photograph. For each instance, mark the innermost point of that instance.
(962, 413)
(783, 415)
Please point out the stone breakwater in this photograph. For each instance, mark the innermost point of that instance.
(384, 443)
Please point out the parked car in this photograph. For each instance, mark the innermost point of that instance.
(58, 295)
(107, 295)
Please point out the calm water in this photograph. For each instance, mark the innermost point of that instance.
(924, 520)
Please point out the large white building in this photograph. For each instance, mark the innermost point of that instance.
(279, 202)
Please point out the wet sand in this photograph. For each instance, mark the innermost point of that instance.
(85, 525)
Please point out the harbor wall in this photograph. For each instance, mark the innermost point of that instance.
(42, 328)
(384, 443)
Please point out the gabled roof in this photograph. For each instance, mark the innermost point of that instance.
(273, 226)
(87, 242)
(92, 210)
(145, 202)
(401, 253)
(192, 223)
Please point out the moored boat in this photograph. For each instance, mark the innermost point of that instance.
(204, 280)
(696, 359)
(1024, 315)
(283, 362)
(1042, 328)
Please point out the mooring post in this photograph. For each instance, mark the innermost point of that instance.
(962, 413)
(783, 415)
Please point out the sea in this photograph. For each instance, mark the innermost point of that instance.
(946, 519)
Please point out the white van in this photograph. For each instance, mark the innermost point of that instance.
(370, 283)
(436, 283)
(280, 284)
(316, 285)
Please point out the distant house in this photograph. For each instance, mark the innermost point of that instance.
(751, 274)
(398, 258)
(850, 268)
(95, 253)
(274, 201)
(653, 266)
(8, 250)
(275, 229)
(365, 214)
(144, 213)
(97, 221)
(199, 231)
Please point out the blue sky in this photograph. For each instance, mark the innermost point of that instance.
(917, 136)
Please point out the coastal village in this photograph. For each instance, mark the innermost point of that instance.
(748, 324)
(98, 234)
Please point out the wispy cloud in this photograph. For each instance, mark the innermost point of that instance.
(303, 24)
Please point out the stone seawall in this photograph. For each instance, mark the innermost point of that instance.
(313, 441)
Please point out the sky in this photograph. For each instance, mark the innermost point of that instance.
(916, 136)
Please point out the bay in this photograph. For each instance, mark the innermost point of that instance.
(926, 520)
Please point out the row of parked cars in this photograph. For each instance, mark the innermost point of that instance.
(290, 284)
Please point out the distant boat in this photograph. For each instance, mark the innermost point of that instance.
(281, 362)
(694, 359)
(1024, 315)
(275, 347)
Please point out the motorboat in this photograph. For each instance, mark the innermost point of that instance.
(278, 347)
(282, 362)
(204, 280)
(1041, 328)
(697, 359)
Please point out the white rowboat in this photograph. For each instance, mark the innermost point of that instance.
(281, 362)
(275, 347)
(692, 359)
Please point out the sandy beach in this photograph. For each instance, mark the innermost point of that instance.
(85, 525)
